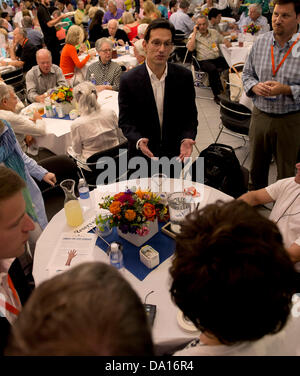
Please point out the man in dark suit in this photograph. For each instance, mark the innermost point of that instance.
(158, 114)
(15, 226)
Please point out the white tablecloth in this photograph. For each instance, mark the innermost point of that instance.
(166, 329)
(58, 137)
(236, 54)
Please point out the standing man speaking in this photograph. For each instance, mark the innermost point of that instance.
(272, 78)
(158, 114)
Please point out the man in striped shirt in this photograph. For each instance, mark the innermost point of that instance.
(272, 78)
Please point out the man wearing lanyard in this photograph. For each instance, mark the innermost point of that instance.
(158, 114)
(272, 78)
(22, 52)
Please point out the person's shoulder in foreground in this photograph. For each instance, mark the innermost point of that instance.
(232, 277)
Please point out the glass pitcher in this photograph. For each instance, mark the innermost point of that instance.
(72, 206)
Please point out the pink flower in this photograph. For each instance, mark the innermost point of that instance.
(143, 231)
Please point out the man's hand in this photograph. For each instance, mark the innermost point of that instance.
(262, 89)
(41, 98)
(29, 140)
(227, 43)
(143, 145)
(277, 88)
(36, 116)
(186, 148)
(50, 178)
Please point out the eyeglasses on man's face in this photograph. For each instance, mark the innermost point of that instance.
(106, 51)
(156, 43)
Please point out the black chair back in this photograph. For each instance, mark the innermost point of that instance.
(235, 116)
(17, 80)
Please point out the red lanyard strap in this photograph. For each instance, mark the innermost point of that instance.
(283, 59)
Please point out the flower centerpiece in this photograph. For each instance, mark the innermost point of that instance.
(251, 29)
(62, 96)
(135, 214)
(205, 12)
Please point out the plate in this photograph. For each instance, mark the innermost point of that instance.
(69, 14)
(185, 323)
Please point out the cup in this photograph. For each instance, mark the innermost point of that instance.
(179, 207)
(41, 109)
(102, 223)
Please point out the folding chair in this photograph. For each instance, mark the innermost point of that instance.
(16, 79)
(98, 162)
(235, 118)
(179, 50)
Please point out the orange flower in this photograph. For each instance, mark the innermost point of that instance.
(115, 207)
(149, 211)
(60, 95)
(130, 215)
(140, 194)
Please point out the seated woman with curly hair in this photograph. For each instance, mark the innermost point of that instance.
(69, 58)
(233, 279)
(97, 128)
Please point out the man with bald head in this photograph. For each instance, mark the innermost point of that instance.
(113, 32)
(43, 77)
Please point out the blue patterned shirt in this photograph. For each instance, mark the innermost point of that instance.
(258, 68)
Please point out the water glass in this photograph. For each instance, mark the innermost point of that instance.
(179, 207)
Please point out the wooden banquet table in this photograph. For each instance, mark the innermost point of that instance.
(166, 329)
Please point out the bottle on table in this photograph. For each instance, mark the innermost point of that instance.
(84, 194)
(93, 79)
(127, 48)
(116, 256)
(49, 108)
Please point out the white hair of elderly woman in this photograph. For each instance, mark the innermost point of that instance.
(139, 47)
(85, 95)
(5, 91)
(99, 43)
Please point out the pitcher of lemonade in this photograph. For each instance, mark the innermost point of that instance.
(72, 206)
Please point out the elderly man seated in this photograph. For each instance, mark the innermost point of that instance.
(34, 36)
(21, 125)
(22, 51)
(107, 73)
(113, 12)
(116, 35)
(139, 51)
(255, 17)
(206, 43)
(43, 77)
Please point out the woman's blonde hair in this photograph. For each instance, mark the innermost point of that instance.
(75, 35)
(149, 7)
(127, 18)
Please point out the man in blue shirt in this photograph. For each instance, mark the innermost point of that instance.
(272, 78)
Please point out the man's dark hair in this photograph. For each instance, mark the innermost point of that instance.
(184, 4)
(4, 14)
(159, 24)
(213, 13)
(231, 274)
(285, 2)
(89, 310)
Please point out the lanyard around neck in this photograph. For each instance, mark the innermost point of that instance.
(275, 70)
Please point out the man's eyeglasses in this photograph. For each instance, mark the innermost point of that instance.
(157, 43)
(106, 51)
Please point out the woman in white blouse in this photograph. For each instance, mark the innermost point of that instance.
(97, 128)
(22, 125)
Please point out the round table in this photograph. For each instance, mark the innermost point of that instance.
(166, 331)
